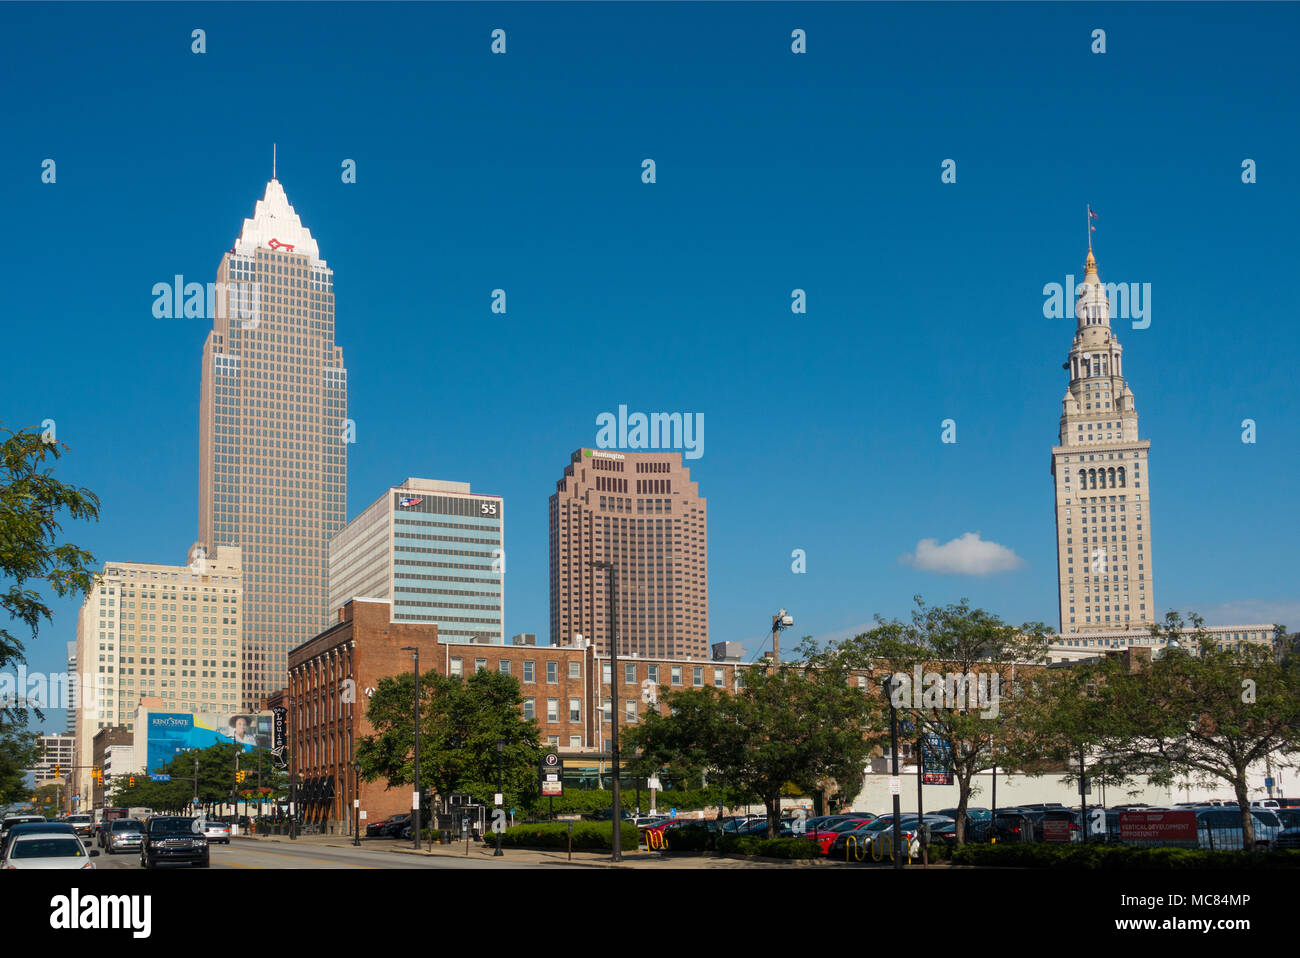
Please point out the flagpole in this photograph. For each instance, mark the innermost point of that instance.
(1088, 222)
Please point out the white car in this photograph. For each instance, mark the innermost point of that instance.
(44, 850)
(217, 832)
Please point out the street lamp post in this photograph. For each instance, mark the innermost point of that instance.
(415, 794)
(356, 803)
(501, 747)
(617, 818)
(779, 621)
(893, 748)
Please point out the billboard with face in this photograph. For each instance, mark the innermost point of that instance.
(170, 733)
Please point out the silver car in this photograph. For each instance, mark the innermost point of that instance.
(37, 850)
(123, 835)
(217, 832)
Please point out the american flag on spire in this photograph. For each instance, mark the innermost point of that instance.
(1092, 215)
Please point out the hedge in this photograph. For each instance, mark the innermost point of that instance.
(587, 836)
(1101, 855)
(587, 802)
(790, 848)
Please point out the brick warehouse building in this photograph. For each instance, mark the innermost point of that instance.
(557, 683)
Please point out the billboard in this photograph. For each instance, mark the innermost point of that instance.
(936, 761)
(170, 733)
(1161, 827)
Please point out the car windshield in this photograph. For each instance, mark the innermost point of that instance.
(59, 847)
(171, 826)
(78, 819)
(128, 825)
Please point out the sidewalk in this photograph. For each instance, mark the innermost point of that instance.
(635, 858)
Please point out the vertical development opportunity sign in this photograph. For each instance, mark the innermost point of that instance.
(550, 774)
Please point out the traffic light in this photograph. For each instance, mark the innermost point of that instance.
(58, 771)
(131, 781)
(97, 774)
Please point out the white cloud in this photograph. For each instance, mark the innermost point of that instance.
(966, 555)
(1255, 611)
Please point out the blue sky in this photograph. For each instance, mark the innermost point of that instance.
(775, 171)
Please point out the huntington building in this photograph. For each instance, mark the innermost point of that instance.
(1103, 496)
(436, 550)
(642, 512)
(273, 477)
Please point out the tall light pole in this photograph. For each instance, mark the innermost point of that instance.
(356, 803)
(501, 747)
(893, 748)
(617, 820)
(779, 621)
(415, 794)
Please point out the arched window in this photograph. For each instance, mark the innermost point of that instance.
(1122, 481)
(1111, 476)
(1092, 478)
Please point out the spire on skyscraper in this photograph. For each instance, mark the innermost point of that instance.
(275, 225)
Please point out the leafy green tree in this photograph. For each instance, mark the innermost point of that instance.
(960, 645)
(31, 501)
(785, 725)
(1197, 711)
(19, 751)
(461, 721)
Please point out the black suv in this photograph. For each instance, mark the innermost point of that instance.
(173, 839)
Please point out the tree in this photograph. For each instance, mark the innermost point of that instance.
(31, 501)
(19, 751)
(966, 660)
(461, 721)
(784, 725)
(1198, 711)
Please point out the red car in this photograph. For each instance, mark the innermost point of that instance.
(825, 834)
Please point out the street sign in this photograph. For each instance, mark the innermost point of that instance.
(653, 783)
(161, 778)
(895, 785)
(1268, 783)
(549, 773)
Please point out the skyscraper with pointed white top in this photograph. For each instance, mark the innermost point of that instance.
(273, 434)
(1103, 497)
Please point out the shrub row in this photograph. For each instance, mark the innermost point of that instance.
(588, 836)
(1100, 855)
(791, 848)
(578, 801)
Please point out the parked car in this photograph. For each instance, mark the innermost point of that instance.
(1289, 836)
(389, 827)
(216, 831)
(34, 827)
(1265, 803)
(171, 838)
(1220, 828)
(123, 834)
(825, 835)
(42, 849)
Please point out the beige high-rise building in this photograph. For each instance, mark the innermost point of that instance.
(273, 434)
(1103, 496)
(641, 511)
(165, 631)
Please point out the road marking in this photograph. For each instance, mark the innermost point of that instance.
(304, 858)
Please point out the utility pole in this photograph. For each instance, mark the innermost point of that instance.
(617, 819)
(415, 794)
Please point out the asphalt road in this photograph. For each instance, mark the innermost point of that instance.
(245, 854)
